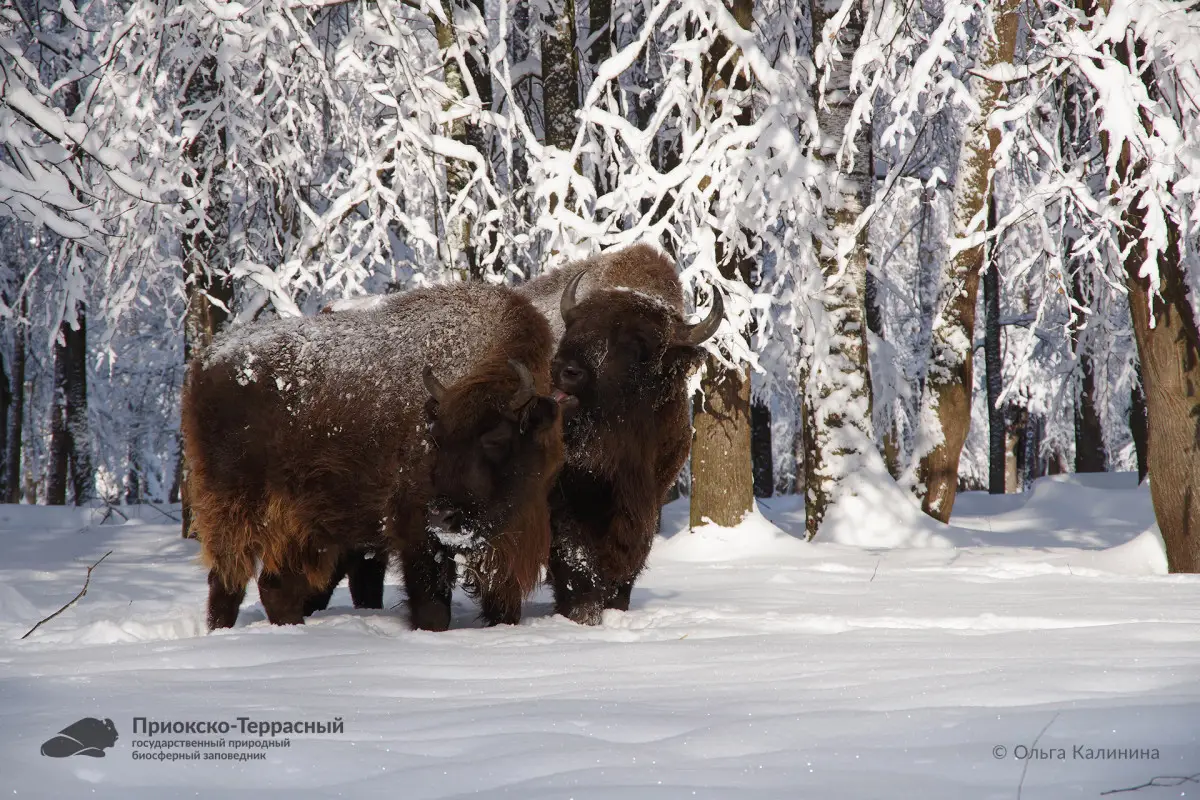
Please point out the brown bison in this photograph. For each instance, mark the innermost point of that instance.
(621, 370)
(421, 428)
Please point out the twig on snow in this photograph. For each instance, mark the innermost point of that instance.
(1161, 780)
(74, 600)
(1025, 768)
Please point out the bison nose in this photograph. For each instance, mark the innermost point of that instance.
(446, 520)
(571, 377)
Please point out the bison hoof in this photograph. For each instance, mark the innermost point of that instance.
(431, 617)
(588, 614)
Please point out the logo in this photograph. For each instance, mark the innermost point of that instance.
(88, 737)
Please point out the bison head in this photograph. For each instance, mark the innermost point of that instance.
(498, 445)
(622, 349)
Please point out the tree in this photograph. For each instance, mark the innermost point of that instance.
(1150, 242)
(6, 398)
(470, 94)
(16, 418)
(560, 77)
(994, 365)
(70, 442)
(722, 470)
(950, 379)
(838, 429)
(205, 239)
(1090, 455)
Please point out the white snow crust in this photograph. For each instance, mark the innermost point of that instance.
(751, 664)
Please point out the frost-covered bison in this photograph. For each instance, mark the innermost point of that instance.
(422, 429)
(621, 369)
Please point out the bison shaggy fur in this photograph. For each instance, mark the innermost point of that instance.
(420, 428)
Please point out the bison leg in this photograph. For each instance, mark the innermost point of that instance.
(500, 603)
(366, 578)
(319, 601)
(283, 596)
(223, 602)
(576, 593)
(429, 581)
(620, 597)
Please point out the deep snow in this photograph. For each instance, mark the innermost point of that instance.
(751, 665)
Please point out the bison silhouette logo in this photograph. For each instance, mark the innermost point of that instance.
(88, 737)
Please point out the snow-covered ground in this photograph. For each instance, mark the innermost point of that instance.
(751, 665)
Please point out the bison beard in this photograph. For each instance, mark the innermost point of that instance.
(621, 371)
(310, 439)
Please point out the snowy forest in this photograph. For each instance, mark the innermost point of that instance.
(958, 240)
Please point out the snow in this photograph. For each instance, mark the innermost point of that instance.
(751, 665)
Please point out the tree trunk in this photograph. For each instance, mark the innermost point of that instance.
(16, 421)
(463, 253)
(993, 363)
(60, 448)
(600, 33)
(722, 468)
(1137, 425)
(560, 77)
(841, 426)
(1014, 449)
(204, 244)
(762, 458)
(70, 440)
(5, 406)
(951, 372)
(874, 315)
(1090, 455)
(1168, 343)
(133, 478)
(83, 479)
(722, 483)
(1169, 352)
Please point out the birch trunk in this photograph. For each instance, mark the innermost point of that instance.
(951, 370)
(837, 385)
(462, 253)
(560, 77)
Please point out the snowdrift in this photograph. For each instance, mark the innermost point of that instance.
(751, 664)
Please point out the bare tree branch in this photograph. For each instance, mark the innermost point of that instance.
(74, 600)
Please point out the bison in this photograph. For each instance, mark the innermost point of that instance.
(620, 371)
(422, 428)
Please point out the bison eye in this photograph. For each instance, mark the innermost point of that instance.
(637, 346)
(496, 443)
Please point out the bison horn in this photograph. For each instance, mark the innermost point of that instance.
(695, 334)
(436, 390)
(525, 391)
(567, 303)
